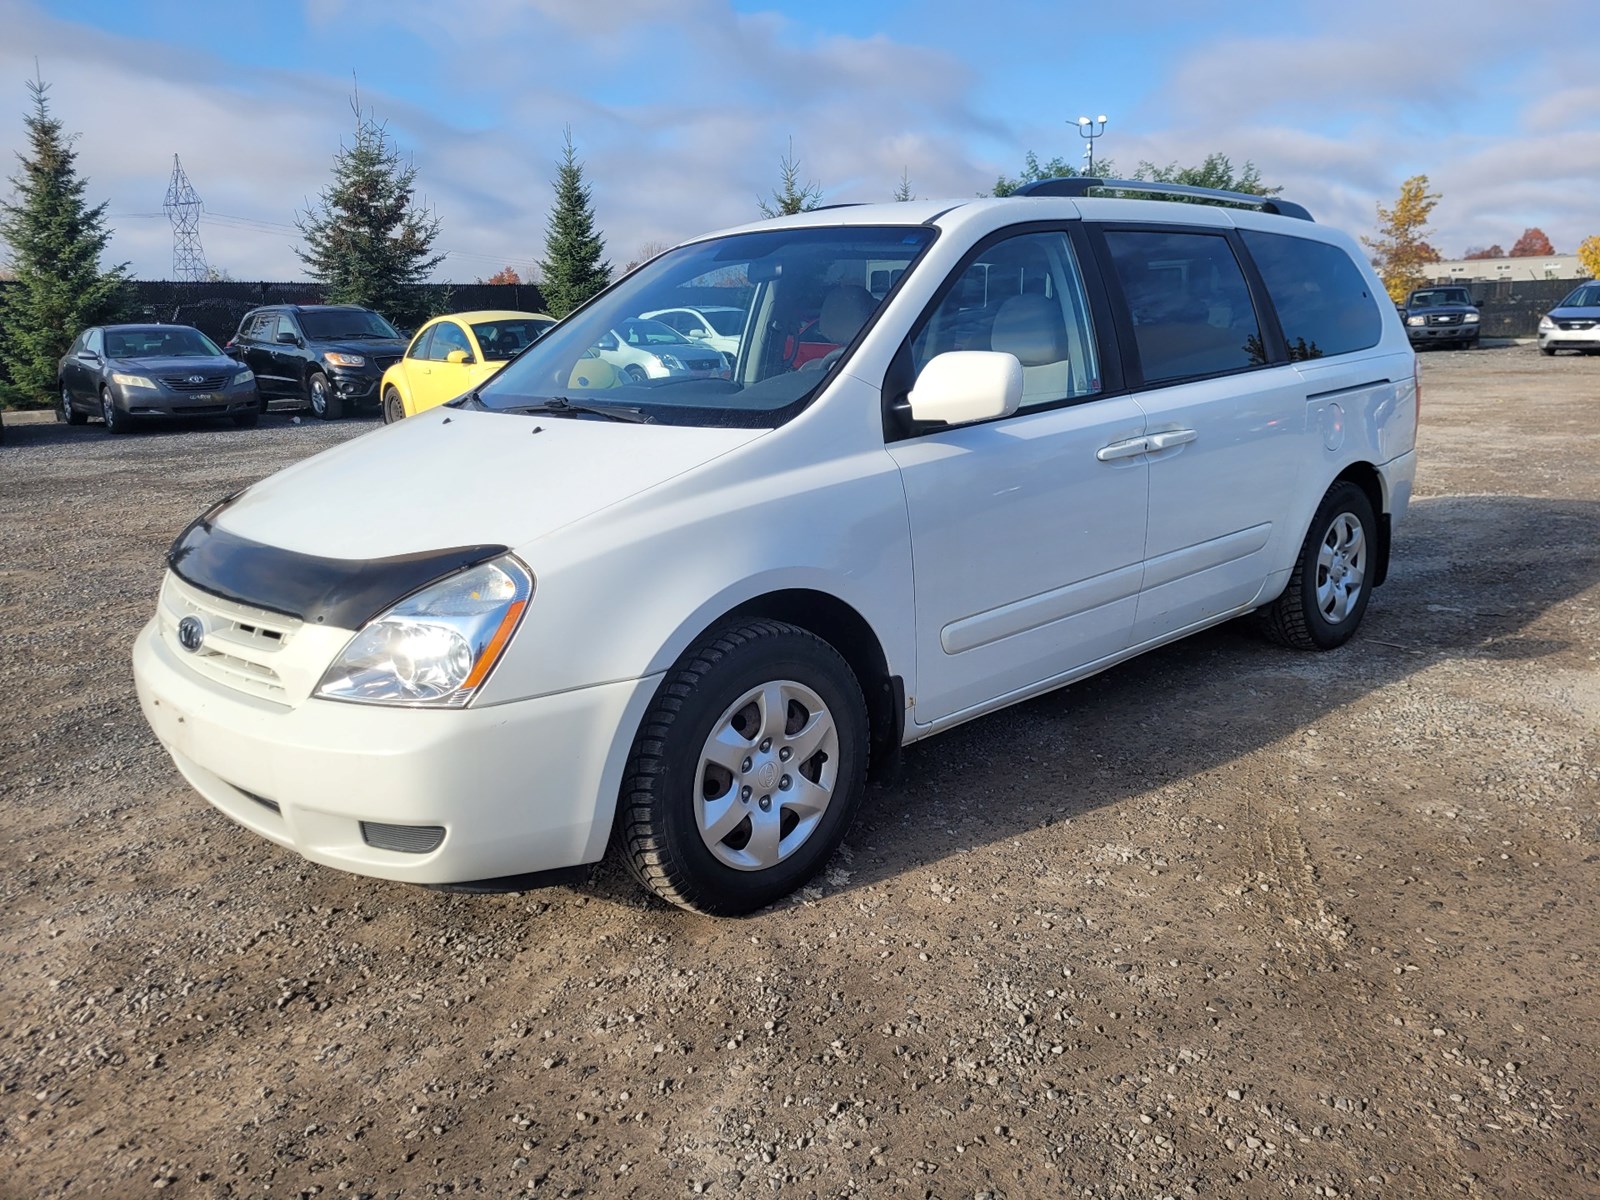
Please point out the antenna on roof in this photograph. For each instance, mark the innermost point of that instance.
(184, 207)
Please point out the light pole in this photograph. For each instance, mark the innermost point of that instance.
(1091, 130)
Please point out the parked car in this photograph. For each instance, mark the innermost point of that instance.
(640, 349)
(719, 326)
(128, 373)
(451, 355)
(1574, 324)
(329, 356)
(682, 616)
(1442, 316)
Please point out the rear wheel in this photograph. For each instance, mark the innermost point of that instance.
(116, 420)
(325, 402)
(746, 770)
(66, 412)
(1332, 581)
(394, 408)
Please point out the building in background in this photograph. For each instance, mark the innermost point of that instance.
(1524, 269)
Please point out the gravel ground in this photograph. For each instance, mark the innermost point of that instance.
(1227, 921)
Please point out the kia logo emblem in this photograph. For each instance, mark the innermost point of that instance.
(191, 633)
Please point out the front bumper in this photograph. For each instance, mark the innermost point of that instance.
(1433, 335)
(502, 790)
(357, 384)
(1570, 339)
(235, 398)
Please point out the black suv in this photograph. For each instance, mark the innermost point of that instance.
(1441, 316)
(332, 356)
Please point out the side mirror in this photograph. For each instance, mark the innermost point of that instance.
(458, 357)
(288, 337)
(88, 356)
(698, 335)
(607, 343)
(967, 385)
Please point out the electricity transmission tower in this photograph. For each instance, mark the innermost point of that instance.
(183, 210)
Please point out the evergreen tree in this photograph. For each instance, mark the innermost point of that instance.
(56, 241)
(366, 240)
(572, 268)
(792, 198)
(903, 192)
(1057, 168)
(1216, 172)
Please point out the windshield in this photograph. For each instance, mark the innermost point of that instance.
(508, 336)
(175, 342)
(1588, 296)
(334, 323)
(796, 284)
(1439, 298)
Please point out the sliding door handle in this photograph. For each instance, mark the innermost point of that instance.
(1171, 438)
(1130, 448)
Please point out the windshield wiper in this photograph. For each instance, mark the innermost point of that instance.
(561, 406)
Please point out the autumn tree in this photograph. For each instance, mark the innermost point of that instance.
(506, 274)
(1589, 255)
(367, 240)
(1401, 250)
(56, 239)
(792, 197)
(1532, 244)
(574, 266)
(1494, 251)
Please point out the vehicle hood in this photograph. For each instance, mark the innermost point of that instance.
(1424, 310)
(209, 365)
(367, 346)
(453, 477)
(1576, 312)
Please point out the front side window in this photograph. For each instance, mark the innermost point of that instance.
(1188, 301)
(1024, 297)
(788, 282)
(1323, 301)
(96, 342)
(447, 338)
(419, 344)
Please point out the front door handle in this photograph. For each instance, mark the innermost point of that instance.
(1171, 438)
(1130, 448)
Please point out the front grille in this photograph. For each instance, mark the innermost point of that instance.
(195, 383)
(704, 364)
(384, 361)
(1577, 325)
(240, 645)
(406, 839)
(1444, 319)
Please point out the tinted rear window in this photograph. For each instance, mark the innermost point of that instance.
(1323, 302)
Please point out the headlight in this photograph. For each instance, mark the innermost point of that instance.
(437, 645)
(1414, 320)
(1472, 318)
(345, 360)
(1546, 323)
(670, 361)
(138, 381)
(245, 376)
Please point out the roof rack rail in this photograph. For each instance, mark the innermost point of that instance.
(1082, 185)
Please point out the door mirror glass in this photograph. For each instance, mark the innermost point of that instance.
(967, 385)
(288, 337)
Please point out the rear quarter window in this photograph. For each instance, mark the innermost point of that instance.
(1323, 302)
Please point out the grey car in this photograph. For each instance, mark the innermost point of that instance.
(1574, 324)
(125, 373)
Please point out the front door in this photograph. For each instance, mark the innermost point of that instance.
(1027, 533)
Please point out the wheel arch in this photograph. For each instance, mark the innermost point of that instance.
(852, 635)
(1366, 477)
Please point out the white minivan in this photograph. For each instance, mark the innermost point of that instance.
(683, 616)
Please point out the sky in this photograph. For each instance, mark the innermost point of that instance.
(681, 110)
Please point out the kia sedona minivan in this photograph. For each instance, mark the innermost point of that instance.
(683, 616)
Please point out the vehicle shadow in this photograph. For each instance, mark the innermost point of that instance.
(1470, 577)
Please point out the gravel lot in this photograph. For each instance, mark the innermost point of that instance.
(1227, 921)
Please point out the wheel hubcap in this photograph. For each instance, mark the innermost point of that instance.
(319, 398)
(1341, 568)
(766, 775)
(108, 407)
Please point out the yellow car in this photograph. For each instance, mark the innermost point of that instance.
(452, 355)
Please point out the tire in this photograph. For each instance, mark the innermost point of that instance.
(394, 408)
(116, 420)
(1548, 351)
(1328, 592)
(65, 412)
(247, 420)
(635, 373)
(326, 404)
(722, 811)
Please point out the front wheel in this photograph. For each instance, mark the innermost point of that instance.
(394, 408)
(247, 420)
(116, 420)
(326, 404)
(1548, 351)
(1332, 581)
(746, 769)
